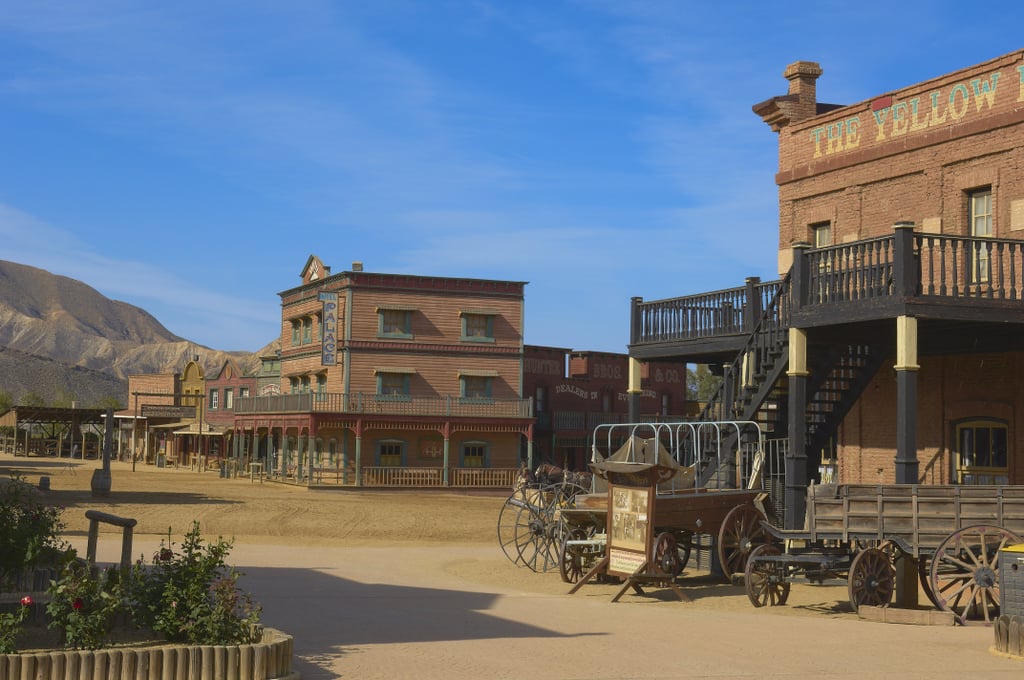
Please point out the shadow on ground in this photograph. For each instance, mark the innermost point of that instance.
(331, 617)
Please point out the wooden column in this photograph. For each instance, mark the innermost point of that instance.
(906, 400)
(796, 457)
(633, 390)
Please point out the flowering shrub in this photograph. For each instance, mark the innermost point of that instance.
(29, 531)
(10, 626)
(190, 595)
(82, 605)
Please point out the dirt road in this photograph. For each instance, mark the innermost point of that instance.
(413, 585)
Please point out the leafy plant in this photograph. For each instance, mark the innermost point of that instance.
(191, 595)
(29, 530)
(10, 626)
(83, 605)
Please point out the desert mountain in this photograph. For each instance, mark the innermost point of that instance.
(53, 325)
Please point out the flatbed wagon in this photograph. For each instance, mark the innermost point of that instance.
(952, 534)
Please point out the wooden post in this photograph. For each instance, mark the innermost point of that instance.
(906, 368)
(905, 277)
(796, 458)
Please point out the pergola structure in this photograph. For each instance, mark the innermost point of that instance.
(49, 431)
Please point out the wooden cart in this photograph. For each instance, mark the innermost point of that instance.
(677, 518)
(953, 534)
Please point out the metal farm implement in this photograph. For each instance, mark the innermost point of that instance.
(952, 534)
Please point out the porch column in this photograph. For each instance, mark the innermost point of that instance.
(633, 390)
(906, 400)
(444, 459)
(302, 446)
(796, 457)
(359, 457)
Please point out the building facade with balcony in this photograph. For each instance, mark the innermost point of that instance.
(890, 350)
(387, 375)
(575, 391)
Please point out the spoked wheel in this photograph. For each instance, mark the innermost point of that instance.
(964, 572)
(765, 580)
(572, 559)
(529, 529)
(665, 555)
(872, 578)
(740, 533)
(926, 584)
(684, 546)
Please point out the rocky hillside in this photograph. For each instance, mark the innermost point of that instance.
(59, 334)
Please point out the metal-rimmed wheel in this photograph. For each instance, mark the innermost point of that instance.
(872, 578)
(765, 579)
(665, 555)
(572, 558)
(964, 572)
(740, 533)
(529, 528)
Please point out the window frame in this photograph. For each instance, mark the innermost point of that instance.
(214, 399)
(473, 321)
(980, 210)
(965, 474)
(229, 398)
(379, 454)
(384, 378)
(404, 329)
(484, 457)
(488, 389)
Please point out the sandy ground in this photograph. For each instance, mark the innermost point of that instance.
(377, 584)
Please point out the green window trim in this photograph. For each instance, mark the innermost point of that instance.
(394, 323)
(477, 327)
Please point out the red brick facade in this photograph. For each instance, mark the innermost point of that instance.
(916, 154)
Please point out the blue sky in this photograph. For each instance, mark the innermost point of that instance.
(188, 157)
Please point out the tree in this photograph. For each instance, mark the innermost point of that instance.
(31, 399)
(110, 402)
(64, 399)
(701, 384)
(6, 400)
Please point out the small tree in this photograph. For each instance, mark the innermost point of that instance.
(31, 399)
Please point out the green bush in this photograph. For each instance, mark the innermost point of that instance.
(29, 531)
(190, 595)
(82, 605)
(10, 626)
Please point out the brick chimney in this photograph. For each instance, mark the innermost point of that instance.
(802, 77)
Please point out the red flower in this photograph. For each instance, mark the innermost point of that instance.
(26, 601)
(77, 604)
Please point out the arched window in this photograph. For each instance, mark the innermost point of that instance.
(981, 451)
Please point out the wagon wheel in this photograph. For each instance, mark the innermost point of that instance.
(923, 578)
(509, 528)
(964, 571)
(765, 580)
(684, 546)
(571, 560)
(665, 555)
(740, 533)
(872, 578)
(529, 529)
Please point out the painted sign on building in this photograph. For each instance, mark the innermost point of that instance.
(329, 343)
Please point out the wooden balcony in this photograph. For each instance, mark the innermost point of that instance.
(944, 281)
(392, 405)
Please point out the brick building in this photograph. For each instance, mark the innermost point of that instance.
(385, 376)
(575, 391)
(891, 348)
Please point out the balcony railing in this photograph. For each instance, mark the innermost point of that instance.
(732, 311)
(903, 268)
(374, 404)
